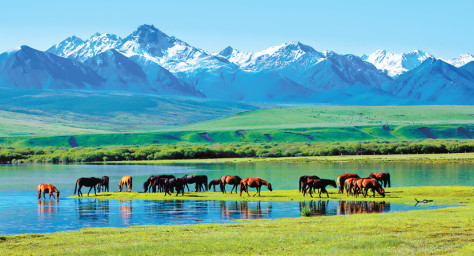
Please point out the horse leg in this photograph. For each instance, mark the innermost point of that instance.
(256, 192)
(39, 193)
(95, 192)
(90, 190)
(79, 192)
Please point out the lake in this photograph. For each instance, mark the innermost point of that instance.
(22, 212)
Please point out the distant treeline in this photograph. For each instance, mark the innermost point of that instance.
(157, 152)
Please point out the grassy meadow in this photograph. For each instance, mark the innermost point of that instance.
(442, 231)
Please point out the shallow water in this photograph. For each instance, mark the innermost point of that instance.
(30, 215)
(22, 212)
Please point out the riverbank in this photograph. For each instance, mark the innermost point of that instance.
(408, 158)
(441, 231)
(458, 194)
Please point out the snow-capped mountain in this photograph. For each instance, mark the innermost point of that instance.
(461, 60)
(33, 69)
(396, 63)
(437, 81)
(150, 61)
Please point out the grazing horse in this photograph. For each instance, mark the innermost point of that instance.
(47, 188)
(126, 180)
(153, 182)
(87, 182)
(174, 183)
(200, 180)
(304, 181)
(104, 183)
(364, 184)
(318, 184)
(340, 181)
(214, 183)
(349, 185)
(253, 183)
(232, 180)
(382, 177)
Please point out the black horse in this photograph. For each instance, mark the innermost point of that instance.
(87, 182)
(153, 182)
(174, 183)
(104, 184)
(304, 180)
(200, 180)
(318, 184)
(213, 183)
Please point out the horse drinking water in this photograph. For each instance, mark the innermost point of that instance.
(47, 188)
(126, 180)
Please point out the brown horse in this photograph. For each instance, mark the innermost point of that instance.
(253, 183)
(304, 180)
(341, 181)
(47, 188)
(318, 184)
(382, 177)
(126, 180)
(364, 184)
(232, 180)
(349, 185)
(213, 183)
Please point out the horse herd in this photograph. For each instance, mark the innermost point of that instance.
(351, 183)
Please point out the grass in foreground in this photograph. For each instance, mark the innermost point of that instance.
(442, 231)
(394, 195)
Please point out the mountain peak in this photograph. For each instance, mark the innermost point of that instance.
(226, 52)
(149, 34)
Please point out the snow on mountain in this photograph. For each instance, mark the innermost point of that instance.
(75, 48)
(394, 63)
(33, 69)
(461, 60)
(437, 81)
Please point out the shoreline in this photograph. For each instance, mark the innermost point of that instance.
(413, 158)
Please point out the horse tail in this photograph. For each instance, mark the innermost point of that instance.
(299, 183)
(205, 182)
(388, 178)
(75, 189)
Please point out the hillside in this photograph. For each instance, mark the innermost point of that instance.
(291, 124)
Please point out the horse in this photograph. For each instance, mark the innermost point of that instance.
(126, 180)
(47, 188)
(214, 183)
(382, 177)
(200, 180)
(87, 182)
(253, 183)
(153, 182)
(349, 185)
(174, 183)
(364, 184)
(104, 183)
(304, 180)
(341, 178)
(232, 180)
(318, 184)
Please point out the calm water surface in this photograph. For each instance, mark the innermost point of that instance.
(22, 212)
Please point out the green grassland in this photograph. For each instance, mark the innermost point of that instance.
(290, 124)
(422, 232)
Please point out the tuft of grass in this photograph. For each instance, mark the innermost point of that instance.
(305, 211)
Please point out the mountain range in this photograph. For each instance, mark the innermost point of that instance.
(150, 61)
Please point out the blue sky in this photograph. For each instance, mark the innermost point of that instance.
(443, 28)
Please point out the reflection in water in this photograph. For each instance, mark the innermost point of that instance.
(358, 207)
(47, 208)
(93, 210)
(245, 210)
(125, 208)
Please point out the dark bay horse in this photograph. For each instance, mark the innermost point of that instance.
(199, 180)
(104, 184)
(174, 183)
(341, 180)
(232, 180)
(382, 177)
(319, 184)
(213, 183)
(47, 188)
(253, 183)
(125, 181)
(304, 180)
(154, 181)
(87, 182)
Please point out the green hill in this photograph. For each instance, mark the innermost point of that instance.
(291, 124)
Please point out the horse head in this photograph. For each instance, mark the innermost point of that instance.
(381, 191)
(269, 186)
(145, 185)
(333, 183)
(57, 191)
(120, 187)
